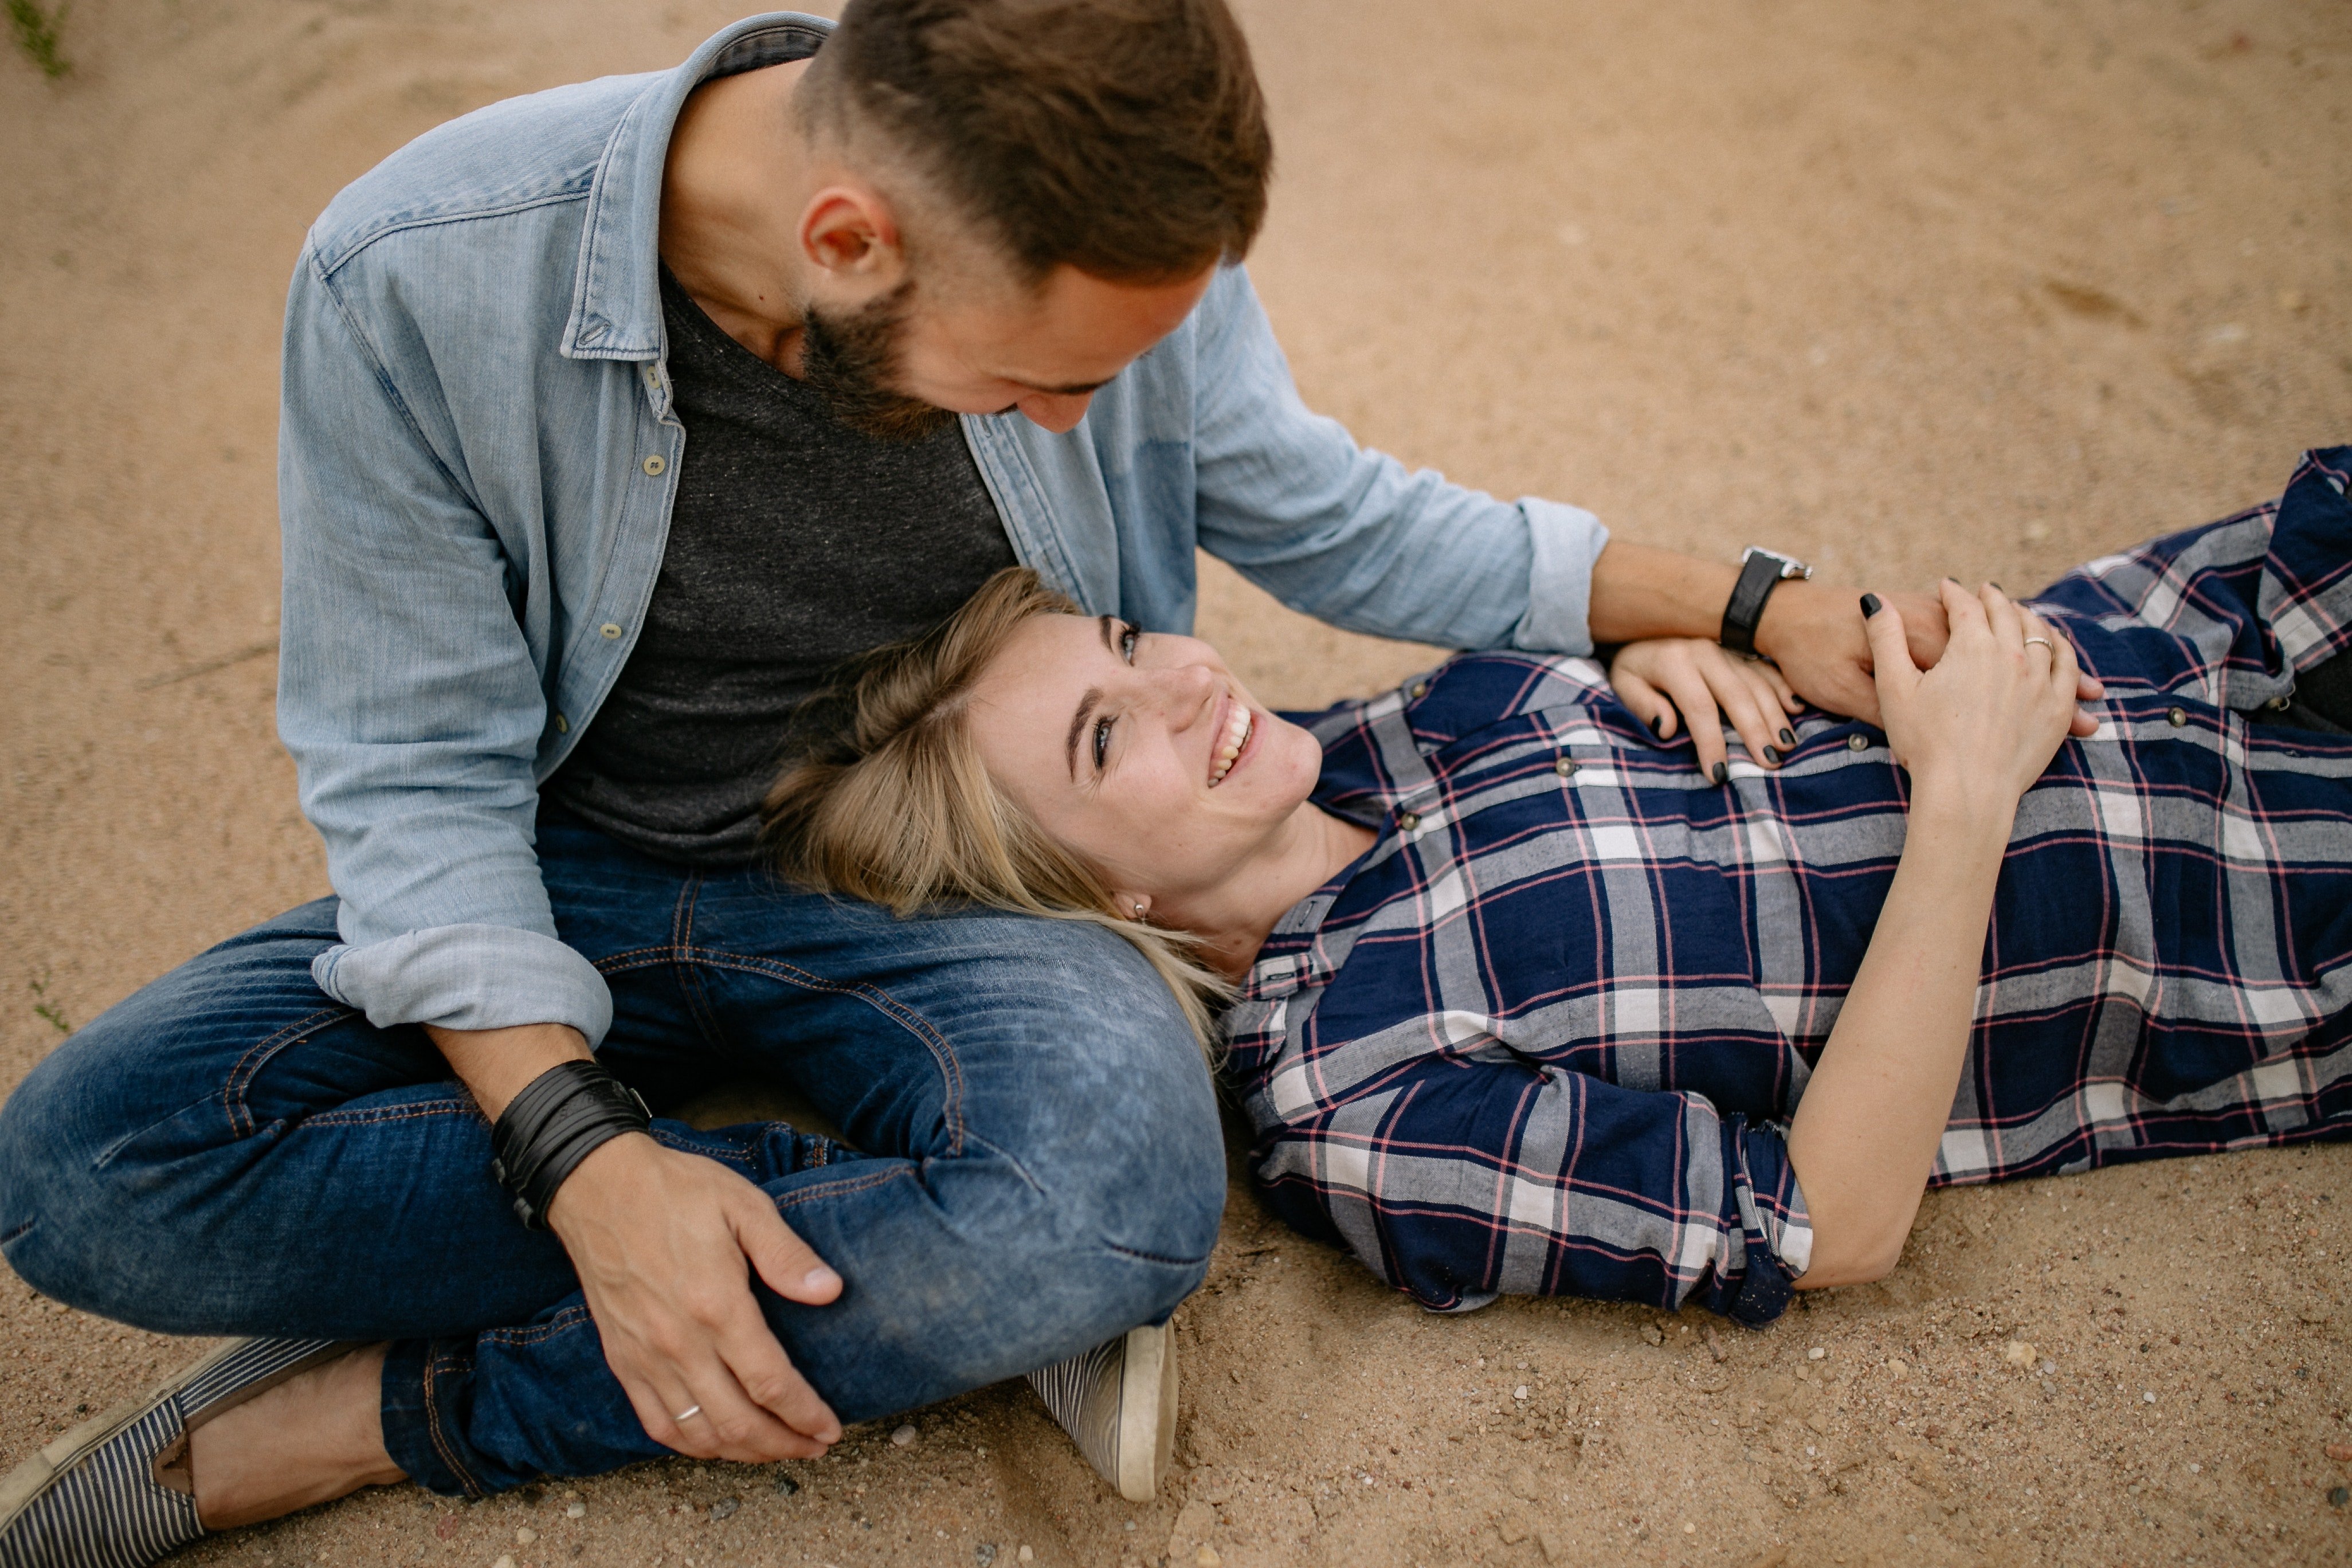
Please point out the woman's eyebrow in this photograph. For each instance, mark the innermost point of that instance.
(1078, 722)
(1103, 623)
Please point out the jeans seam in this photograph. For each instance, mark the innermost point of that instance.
(636, 958)
(347, 1117)
(434, 1365)
(533, 1333)
(1142, 1257)
(799, 1195)
(942, 1054)
(689, 983)
(241, 1076)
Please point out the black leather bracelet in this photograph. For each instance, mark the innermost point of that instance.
(561, 1117)
(1761, 571)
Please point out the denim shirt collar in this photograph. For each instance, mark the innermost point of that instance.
(617, 299)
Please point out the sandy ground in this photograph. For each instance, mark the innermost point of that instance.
(1980, 288)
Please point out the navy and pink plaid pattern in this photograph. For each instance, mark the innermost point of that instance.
(1546, 1036)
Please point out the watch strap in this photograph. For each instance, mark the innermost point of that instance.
(1759, 573)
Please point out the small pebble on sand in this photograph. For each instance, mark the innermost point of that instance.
(2149, 1396)
(2020, 1354)
(1650, 1333)
(904, 1437)
(576, 1510)
(1025, 1555)
(506, 1560)
(1207, 1558)
(2340, 1451)
(525, 1536)
(725, 1506)
(786, 1485)
(1817, 1353)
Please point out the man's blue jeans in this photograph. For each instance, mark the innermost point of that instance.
(229, 1152)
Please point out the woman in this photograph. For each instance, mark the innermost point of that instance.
(1521, 1003)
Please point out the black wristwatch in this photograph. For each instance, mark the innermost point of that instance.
(1761, 571)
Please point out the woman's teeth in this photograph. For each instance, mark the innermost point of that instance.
(1237, 734)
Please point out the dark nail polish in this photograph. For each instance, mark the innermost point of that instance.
(1870, 606)
(1721, 773)
(1787, 737)
(1658, 726)
(1772, 755)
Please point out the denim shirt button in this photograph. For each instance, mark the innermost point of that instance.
(608, 631)
(562, 725)
(654, 465)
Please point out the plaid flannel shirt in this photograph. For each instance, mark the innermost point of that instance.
(1546, 1035)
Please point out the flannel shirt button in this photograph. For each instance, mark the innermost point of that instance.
(2279, 704)
(654, 466)
(1408, 820)
(1564, 766)
(1857, 742)
(1418, 690)
(562, 725)
(2177, 717)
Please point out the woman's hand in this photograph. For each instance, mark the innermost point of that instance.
(1981, 725)
(1663, 680)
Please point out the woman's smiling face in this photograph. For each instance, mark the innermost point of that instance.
(1138, 751)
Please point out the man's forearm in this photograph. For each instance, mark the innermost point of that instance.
(1639, 592)
(496, 1064)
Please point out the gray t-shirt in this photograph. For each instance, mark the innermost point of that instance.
(794, 542)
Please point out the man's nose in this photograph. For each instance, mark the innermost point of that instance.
(1057, 411)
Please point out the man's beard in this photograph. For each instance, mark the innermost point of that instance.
(850, 361)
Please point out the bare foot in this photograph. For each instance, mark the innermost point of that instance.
(309, 1439)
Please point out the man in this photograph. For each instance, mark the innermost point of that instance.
(613, 418)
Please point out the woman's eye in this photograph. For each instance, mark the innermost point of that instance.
(1126, 640)
(1102, 743)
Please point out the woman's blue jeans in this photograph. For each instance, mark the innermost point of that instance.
(229, 1152)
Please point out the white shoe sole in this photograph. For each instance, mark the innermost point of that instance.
(1147, 1412)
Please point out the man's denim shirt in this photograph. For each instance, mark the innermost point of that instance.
(477, 462)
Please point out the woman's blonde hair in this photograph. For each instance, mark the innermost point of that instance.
(892, 804)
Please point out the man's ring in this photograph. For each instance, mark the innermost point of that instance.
(2045, 642)
(689, 1414)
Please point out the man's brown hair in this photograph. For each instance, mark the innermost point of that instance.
(1125, 138)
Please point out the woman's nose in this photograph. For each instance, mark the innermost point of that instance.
(1186, 692)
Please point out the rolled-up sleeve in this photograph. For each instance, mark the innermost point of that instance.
(410, 700)
(1355, 538)
(1458, 1179)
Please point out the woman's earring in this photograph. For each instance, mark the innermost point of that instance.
(1139, 912)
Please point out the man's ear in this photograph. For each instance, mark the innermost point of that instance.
(849, 231)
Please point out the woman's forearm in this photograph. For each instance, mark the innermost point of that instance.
(1867, 1130)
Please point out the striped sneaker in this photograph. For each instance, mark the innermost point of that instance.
(115, 1492)
(1117, 1402)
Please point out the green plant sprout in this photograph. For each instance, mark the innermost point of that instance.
(43, 1008)
(37, 34)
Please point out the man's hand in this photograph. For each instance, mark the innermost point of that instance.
(1814, 632)
(660, 1241)
(664, 1244)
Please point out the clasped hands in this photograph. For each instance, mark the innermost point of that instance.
(1817, 653)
